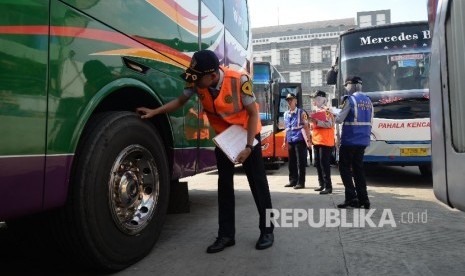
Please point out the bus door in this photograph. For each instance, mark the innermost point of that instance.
(281, 106)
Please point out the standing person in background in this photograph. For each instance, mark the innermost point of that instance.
(297, 133)
(357, 117)
(323, 141)
(227, 99)
(309, 137)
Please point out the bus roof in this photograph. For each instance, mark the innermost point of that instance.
(384, 26)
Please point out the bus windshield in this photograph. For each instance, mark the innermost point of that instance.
(261, 86)
(265, 76)
(390, 72)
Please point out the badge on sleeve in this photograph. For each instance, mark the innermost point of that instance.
(304, 115)
(246, 88)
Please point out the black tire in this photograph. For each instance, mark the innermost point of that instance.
(426, 170)
(121, 159)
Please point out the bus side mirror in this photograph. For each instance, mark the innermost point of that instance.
(331, 76)
(335, 102)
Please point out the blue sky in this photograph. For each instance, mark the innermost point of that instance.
(265, 12)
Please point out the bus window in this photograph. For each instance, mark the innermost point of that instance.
(237, 20)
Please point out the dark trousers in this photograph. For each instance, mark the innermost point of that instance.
(297, 162)
(310, 154)
(323, 165)
(255, 171)
(351, 165)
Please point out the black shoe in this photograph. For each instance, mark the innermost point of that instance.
(265, 241)
(220, 244)
(319, 189)
(326, 191)
(365, 204)
(352, 203)
(298, 186)
(289, 185)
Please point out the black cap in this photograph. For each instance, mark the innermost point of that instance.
(203, 62)
(319, 93)
(290, 96)
(353, 80)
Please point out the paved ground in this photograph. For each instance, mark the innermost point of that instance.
(428, 237)
(431, 247)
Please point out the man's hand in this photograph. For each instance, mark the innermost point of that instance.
(243, 155)
(283, 145)
(146, 112)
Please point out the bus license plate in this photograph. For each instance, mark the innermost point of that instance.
(414, 152)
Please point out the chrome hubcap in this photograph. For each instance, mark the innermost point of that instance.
(133, 189)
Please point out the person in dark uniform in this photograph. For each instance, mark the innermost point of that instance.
(356, 116)
(297, 135)
(227, 99)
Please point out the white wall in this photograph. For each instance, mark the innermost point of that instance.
(294, 76)
(315, 54)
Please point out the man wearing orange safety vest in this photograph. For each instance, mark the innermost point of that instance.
(227, 99)
(323, 141)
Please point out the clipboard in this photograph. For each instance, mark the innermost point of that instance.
(319, 115)
(232, 141)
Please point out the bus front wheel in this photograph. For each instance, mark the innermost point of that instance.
(119, 192)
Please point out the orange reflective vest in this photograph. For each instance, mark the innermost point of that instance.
(227, 109)
(323, 136)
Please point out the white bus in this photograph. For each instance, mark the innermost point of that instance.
(448, 104)
(393, 61)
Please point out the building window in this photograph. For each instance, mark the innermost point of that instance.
(380, 19)
(305, 55)
(305, 79)
(326, 54)
(284, 54)
(323, 73)
(364, 21)
(266, 58)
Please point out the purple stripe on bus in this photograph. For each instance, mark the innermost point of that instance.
(57, 179)
(21, 185)
(186, 160)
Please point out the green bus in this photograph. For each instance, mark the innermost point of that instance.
(75, 158)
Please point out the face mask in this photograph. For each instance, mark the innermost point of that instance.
(350, 88)
(320, 101)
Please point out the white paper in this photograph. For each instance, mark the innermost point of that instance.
(232, 141)
(335, 110)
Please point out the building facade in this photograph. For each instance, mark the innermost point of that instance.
(304, 52)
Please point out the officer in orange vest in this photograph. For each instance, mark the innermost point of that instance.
(227, 99)
(323, 141)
